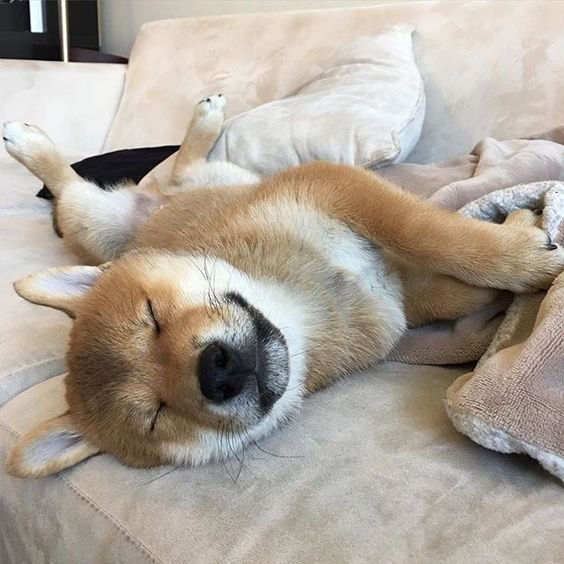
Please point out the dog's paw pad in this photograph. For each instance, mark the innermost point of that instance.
(12, 131)
(215, 103)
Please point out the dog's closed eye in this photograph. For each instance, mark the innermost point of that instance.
(159, 410)
(153, 317)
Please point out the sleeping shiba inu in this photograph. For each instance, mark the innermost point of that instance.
(206, 316)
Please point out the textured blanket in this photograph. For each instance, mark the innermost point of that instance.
(513, 401)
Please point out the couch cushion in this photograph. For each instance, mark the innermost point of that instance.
(371, 471)
(473, 89)
(33, 339)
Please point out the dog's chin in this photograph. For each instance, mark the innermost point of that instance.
(232, 435)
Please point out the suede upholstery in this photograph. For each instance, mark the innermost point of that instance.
(378, 474)
(490, 68)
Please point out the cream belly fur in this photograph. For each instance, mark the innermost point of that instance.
(209, 312)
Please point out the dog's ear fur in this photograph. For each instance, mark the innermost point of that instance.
(49, 448)
(61, 288)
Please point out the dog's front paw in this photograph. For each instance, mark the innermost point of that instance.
(536, 260)
(24, 141)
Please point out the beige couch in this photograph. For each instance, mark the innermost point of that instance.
(372, 471)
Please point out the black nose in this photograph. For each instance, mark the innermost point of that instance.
(223, 372)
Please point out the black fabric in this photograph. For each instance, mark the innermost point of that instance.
(112, 168)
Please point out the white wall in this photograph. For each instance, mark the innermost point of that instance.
(121, 19)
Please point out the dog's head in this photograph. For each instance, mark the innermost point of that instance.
(173, 359)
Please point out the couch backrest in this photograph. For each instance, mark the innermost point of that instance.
(490, 68)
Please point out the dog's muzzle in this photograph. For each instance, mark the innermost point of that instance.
(256, 369)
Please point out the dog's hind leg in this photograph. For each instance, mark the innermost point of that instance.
(97, 225)
(432, 297)
(30, 146)
(203, 132)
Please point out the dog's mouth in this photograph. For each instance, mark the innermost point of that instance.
(244, 380)
(272, 355)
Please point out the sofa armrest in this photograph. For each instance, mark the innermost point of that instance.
(74, 103)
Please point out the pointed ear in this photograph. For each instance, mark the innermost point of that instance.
(49, 448)
(61, 288)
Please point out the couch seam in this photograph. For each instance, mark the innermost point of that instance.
(119, 526)
(23, 369)
(85, 498)
(8, 429)
(35, 365)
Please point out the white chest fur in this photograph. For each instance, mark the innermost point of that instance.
(341, 247)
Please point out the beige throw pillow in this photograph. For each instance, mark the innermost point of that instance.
(366, 108)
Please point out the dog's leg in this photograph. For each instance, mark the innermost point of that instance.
(96, 224)
(202, 134)
(511, 257)
(525, 218)
(30, 146)
(430, 297)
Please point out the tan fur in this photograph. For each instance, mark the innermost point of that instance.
(17, 458)
(338, 260)
(198, 141)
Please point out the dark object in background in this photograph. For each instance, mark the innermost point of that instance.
(23, 36)
(18, 41)
(110, 169)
